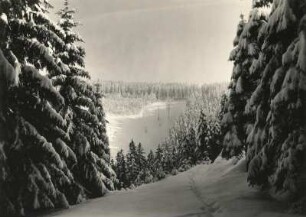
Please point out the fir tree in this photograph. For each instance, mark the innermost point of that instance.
(158, 164)
(188, 152)
(214, 139)
(41, 155)
(131, 160)
(121, 170)
(202, 139)
(38, 157)
(83, 113)
(140, 157)
(277, 141)
(245, 78)
(151, 162)
(208, 139)
(142, 176)
(168, 164)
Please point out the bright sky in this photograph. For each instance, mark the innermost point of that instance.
(159, 40)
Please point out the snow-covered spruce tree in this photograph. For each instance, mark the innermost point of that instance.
(243, 82)
(131, 161)
(158, 164)
(215, 139)
(38, 158)
(150, 163)
(121, 170)
(208, 139)
(141, 162)
(83, 112)
(190, 143)
(276, 153)
(144, 175)
(8, 77)
(140, 157)
(168, 164)
(202, 138)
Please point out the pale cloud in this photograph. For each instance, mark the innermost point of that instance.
(159, 40)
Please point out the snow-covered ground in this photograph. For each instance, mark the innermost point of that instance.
(218, 190)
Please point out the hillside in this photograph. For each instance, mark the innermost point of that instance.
(217, 190)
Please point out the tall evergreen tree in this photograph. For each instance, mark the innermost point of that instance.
(202, 139)
(276, 153)
(168, 164)
(131, 160)
(208, 139)
(83, 112)
(38, 170)
(276, 142)
(121, 170)
(189, 154)
(140, 157)
(42, 153)
(215, 139)
(150, 162)
(158, 164)
(144, 175)
(245, 78)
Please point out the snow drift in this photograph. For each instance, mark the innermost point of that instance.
(218, 190)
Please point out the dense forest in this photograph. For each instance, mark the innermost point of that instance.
(159, 91)
(195, 138)
(53, 146)
(265, 114)
(126, 98)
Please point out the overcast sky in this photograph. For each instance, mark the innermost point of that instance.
(159, 40)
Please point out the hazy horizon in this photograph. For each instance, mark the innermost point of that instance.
(185, 41)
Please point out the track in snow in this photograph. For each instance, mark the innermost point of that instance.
(217, 190)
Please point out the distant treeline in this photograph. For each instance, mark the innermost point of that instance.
(160, 91)
(195, 138)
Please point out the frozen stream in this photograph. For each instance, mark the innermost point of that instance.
(150, 126)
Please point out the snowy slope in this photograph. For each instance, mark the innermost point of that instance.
(218, 190)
